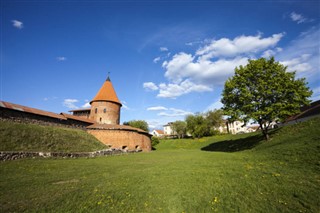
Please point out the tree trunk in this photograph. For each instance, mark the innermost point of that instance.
(264, 132)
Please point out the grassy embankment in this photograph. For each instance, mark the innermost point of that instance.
(30, 137)
(240, 173)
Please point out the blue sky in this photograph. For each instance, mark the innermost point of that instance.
(166, 59)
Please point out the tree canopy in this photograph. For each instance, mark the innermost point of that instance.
(180, 128)
(264, 91)
(141, 124)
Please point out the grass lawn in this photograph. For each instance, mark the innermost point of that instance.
(227, 173)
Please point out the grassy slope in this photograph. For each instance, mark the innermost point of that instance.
(219, 174)
(30, 137)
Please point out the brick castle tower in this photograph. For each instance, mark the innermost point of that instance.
(105, 106)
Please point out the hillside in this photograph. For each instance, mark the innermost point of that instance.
(229, 173)
(31, 137)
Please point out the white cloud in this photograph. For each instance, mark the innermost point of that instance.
(316, 94)
(155, 60)
(176, 90)
(157, 108)
(124, 106)
(150, 86)
(163, 49)
(298, 64)
(61, 58)
(206, 72)
(212, 64)
(175, 113)
(299, 18)
(270, 52)
(215, 105)
(155, 124)
(239, 45)
(50, 98)
(86, 105)
(70, 103)
(303, 55)
(17, 24)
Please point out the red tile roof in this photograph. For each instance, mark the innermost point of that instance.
(160, 132)
(30, 110)
(106, 93)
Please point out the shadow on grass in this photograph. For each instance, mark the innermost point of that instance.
(234, 145)
(237, 144)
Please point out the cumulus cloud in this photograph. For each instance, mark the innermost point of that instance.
(70, 103)
(61, 58)
(175, 90)
(157, 108)
(240, 45)
(298, 64)
(17, 24)
(211, 64)
(205, 72)
(150, 86)
(299, 18)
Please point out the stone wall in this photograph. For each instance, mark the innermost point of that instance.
(14, 155)
(29, 118)
(123, 139)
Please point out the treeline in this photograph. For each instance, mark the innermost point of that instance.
(196, 126)
(199, 125)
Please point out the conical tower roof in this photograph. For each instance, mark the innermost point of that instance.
(106, 93)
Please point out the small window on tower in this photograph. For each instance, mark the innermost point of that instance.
(104, 110)
(96, 110)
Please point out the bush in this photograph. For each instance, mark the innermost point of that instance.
(154, 141)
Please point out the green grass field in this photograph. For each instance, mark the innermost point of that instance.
(230, 173)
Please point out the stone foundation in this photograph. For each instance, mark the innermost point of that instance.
(14, 155)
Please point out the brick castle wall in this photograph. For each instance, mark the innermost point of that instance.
(123, 139)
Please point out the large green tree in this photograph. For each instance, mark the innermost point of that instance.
(140, 124)
(264, 91)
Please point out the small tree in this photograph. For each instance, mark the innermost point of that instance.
(214, 118)
(197, 126)
(138, 124)
(264, 91)
(180, 128)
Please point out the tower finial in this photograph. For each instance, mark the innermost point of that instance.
(108, 79)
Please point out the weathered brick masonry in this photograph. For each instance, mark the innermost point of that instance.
(121, 136)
